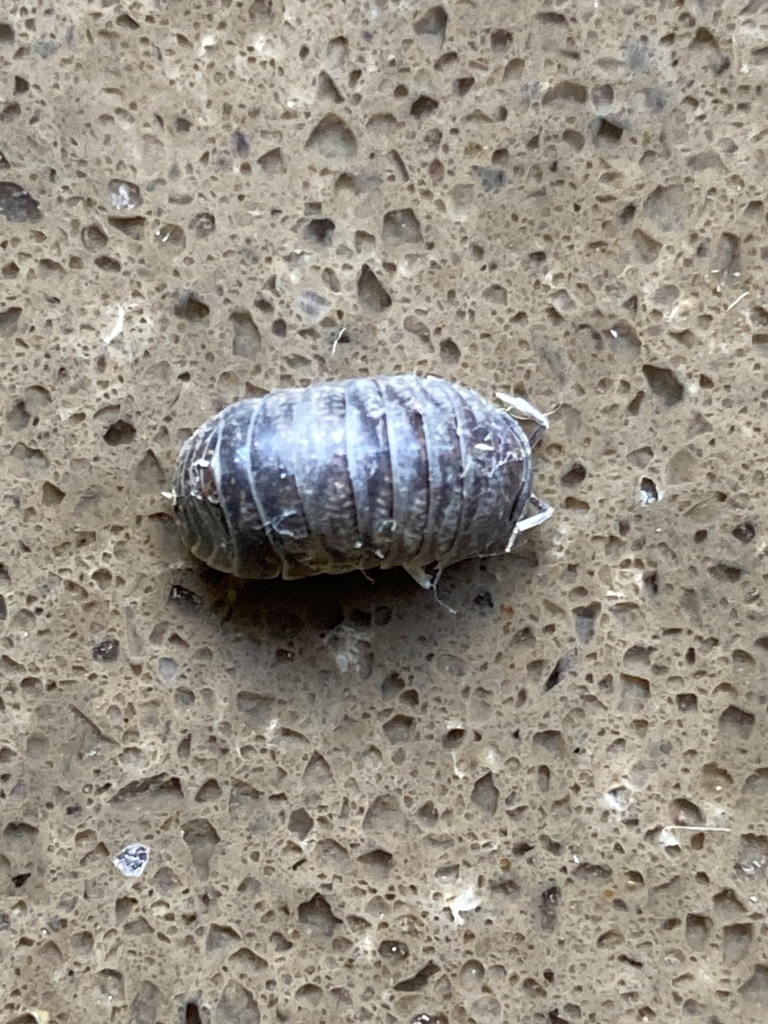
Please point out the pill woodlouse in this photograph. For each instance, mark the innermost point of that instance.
(373, 472)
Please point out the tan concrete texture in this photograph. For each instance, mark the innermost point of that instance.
(548, 808)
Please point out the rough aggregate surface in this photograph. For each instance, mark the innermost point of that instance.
(551, 807)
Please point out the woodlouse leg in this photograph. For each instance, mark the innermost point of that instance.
(537, 436)
(421, 576)
(544, 511)
(429, 581)
(525, 410)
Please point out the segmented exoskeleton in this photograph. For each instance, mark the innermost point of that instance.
(373, 472)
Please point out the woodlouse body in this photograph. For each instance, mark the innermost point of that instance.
(372, 472)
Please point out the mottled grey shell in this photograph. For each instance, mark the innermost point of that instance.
(357, 474)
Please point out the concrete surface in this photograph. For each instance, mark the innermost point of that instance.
(550, 807)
